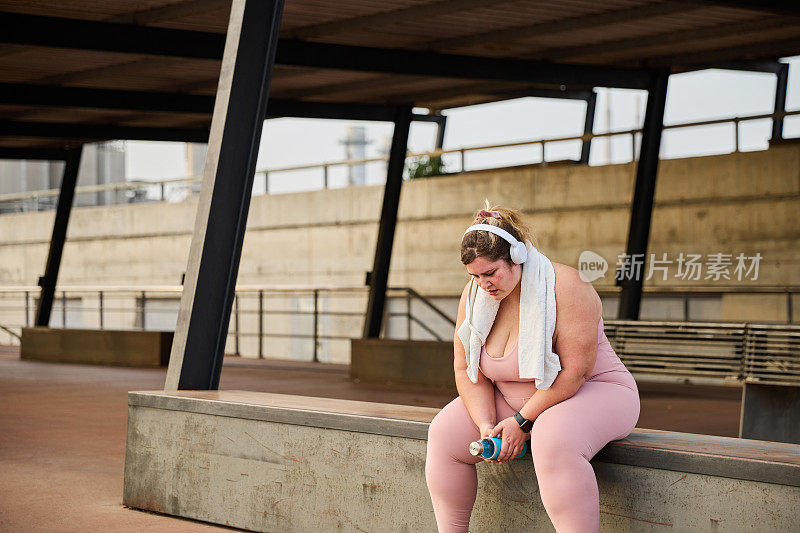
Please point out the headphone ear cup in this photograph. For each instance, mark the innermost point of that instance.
(519, 253)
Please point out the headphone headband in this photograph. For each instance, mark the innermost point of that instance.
(493, 229)
(519, 253)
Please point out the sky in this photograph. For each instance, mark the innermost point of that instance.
(694, 96)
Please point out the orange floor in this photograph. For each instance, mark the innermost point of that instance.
(62, 432)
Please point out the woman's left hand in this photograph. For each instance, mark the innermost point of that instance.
(512, 436)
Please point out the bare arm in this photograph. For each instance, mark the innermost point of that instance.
(577, 314)
(477, 397)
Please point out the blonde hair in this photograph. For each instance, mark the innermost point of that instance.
(493, 247)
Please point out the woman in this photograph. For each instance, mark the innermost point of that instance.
(593, 400)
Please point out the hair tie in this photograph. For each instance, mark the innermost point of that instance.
(483, 213)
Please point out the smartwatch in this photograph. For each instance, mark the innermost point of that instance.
(524, 424)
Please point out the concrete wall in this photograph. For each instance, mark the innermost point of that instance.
(736, 203)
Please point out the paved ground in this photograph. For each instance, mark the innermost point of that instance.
(62, 432)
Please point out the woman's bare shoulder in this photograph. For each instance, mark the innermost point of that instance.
(574, 295)
(566, 276)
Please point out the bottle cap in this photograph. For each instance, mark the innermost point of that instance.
(476, 448)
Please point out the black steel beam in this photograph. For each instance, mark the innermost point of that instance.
(127, 38)
(780, 7)
(65, 197)
(780, 101)
(332, 110)
(396, 61)
(746, 65)
(588, 127)
(45, 154)
(37, 30)
(60, 130)
(379, 276)
(51, 95)
(224, 231)
(441, 125)
(642, 207)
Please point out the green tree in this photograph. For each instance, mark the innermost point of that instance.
(426, 166)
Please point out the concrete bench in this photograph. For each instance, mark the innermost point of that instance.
(97, 346)
(272, 462)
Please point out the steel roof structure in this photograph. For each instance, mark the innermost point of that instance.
(73, 72)
(213, 70)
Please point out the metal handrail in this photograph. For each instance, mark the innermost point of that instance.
(139, 311)
(716, 352)
(12, 333)
(134, 184)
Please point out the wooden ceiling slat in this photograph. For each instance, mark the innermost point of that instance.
(408, 14)
(637, 44)
(697, 46)
(776, 49)
(597, 17)
(171, 11)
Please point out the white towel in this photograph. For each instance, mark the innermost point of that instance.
(537, 322)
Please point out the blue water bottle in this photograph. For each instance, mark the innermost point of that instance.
(489, 448)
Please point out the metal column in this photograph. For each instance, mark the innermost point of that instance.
(588, 127)
(65, 197)
(201, 332)
(780, 101)
(644, 191)
(379, 276)
(441, 124)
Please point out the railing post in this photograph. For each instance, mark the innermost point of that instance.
(544, 154)
(63, 309)
(266, 182)
(100, 307)
(316, 324)
(736, 133)
(236, 321)
(27, 309)
(408, 315)
(143, 302)
(633, 146)
(325, 176)
(162, 191)
(261, 324)
(463, 161)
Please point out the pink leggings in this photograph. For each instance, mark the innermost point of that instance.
(563, 440)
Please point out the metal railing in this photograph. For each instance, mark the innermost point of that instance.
(722, 353)
(259, 314)
(185, 184)
(701, 352)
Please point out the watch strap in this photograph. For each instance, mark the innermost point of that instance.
(524, 424)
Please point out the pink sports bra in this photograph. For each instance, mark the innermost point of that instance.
(504, 371)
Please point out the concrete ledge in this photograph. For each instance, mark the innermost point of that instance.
(96, 346)
(277, 462)
(427, 363)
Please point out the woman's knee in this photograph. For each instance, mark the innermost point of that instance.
(451, 424)
(445, 419)
(436, 429)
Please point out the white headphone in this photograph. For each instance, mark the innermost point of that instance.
(519, 253)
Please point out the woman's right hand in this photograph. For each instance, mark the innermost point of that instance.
(486, 431)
